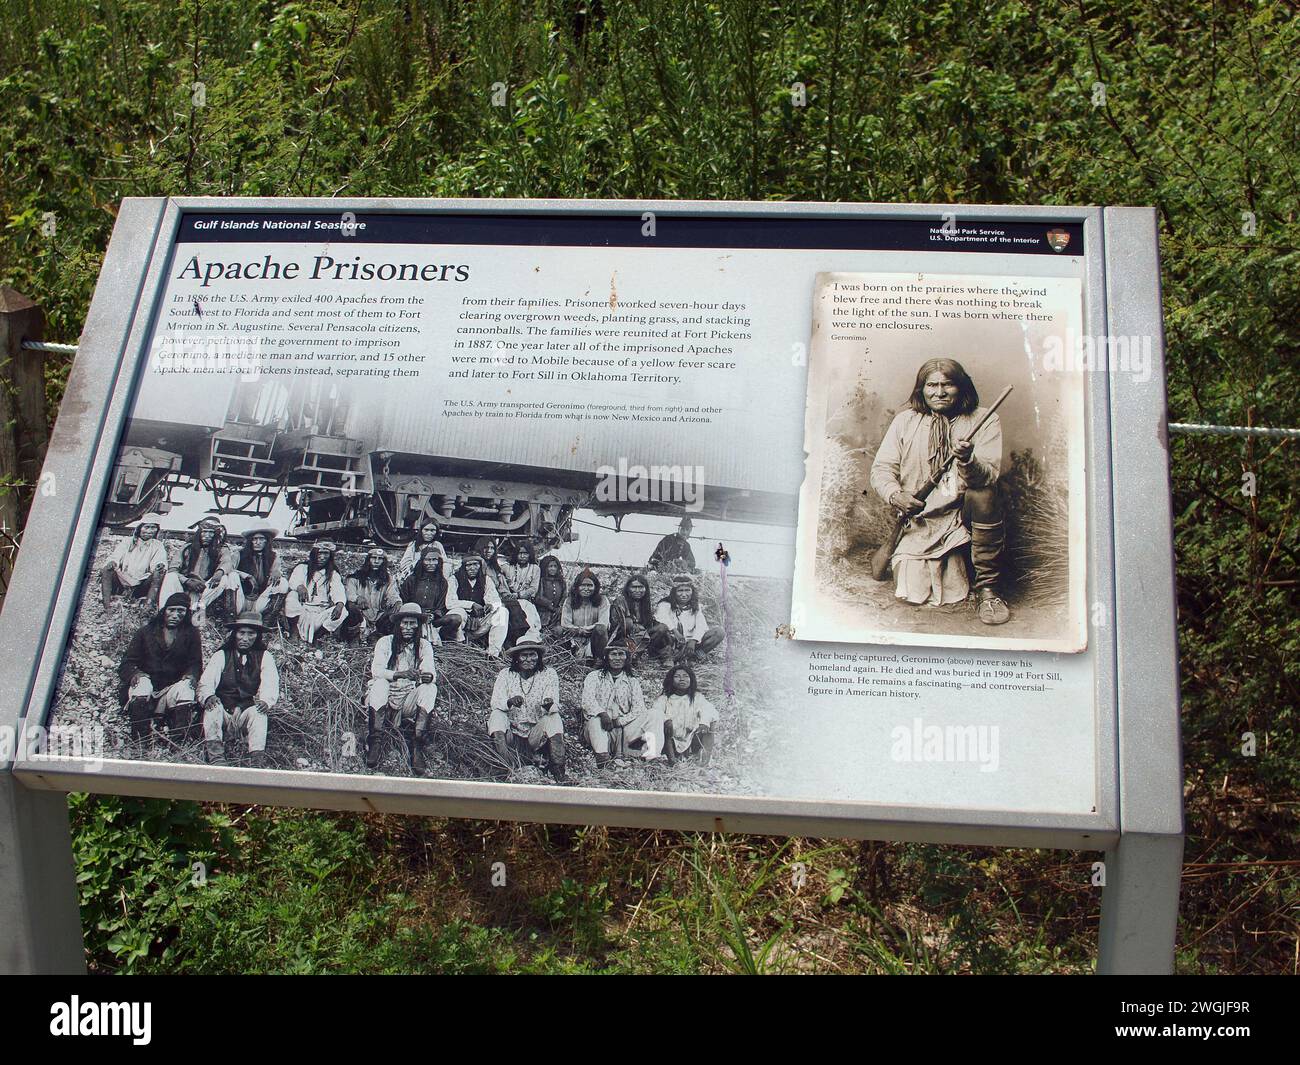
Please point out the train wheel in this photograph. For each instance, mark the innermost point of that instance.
(117, 515)
(382, 529)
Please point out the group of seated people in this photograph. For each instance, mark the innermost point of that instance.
(168, 691)
(498, 596)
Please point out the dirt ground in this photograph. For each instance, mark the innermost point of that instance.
(849, 580)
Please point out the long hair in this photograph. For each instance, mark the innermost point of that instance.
(627, 665)
(369, 575)
(247, 556)
(524, 545)
(466, 590)
(314, 564)
(407, 590)
(398, 645)
(541, 662)
(575, 599)
(671, 599)
(641, 611)
(967, 398)
(190, 551)
(559, 575)
(672, 672)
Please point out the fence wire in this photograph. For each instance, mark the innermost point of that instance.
(1192, 428)
(50, 346)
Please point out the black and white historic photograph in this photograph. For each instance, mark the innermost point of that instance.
(943, 503)
(283, 581)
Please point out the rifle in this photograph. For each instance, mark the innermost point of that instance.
(881, 556)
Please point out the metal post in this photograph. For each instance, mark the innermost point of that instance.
(23, 368)
(1139, 905)
(40, 922)
(22, 418)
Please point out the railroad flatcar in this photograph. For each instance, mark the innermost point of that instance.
(376, 460)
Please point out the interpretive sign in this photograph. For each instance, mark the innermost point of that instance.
(773, 517)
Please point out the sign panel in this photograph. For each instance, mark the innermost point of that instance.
(600, 512)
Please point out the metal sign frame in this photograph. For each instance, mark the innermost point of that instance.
(1138, 819)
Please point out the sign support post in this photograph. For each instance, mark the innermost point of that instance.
(1140, 898)
(39, 916)
(1139, 906)
(40, 923)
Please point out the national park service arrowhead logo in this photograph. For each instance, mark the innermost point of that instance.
(1058, 239)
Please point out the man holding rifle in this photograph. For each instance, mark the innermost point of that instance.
(938, 467)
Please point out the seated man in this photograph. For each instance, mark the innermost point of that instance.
(260, 583)
(476, 595)
(632, 621)
(520, 575)
(136, 566)
(429, 533)
(317, 599)
(372, 596)
(205, 572)
(518, 579)
(429, 588)
(931, 437)
(494, 561)
(686, 634)
(584, 618)
(552, 590)
(613, 706)
(238, 688)
(159, 670)
(688, 717)
(403, 686)
(524, 717)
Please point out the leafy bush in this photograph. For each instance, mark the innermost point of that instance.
(141, 864)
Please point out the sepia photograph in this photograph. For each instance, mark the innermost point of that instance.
(943, 503)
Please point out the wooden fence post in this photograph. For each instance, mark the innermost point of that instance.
(23, 429)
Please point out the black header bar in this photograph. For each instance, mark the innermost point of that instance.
(626, 231)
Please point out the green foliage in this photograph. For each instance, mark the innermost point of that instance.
(581, 909)
(176, 887)
(731, 896)
(957, 102)
(140, 864)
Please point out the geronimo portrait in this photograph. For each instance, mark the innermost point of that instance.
(938, 467)
(943, 502)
